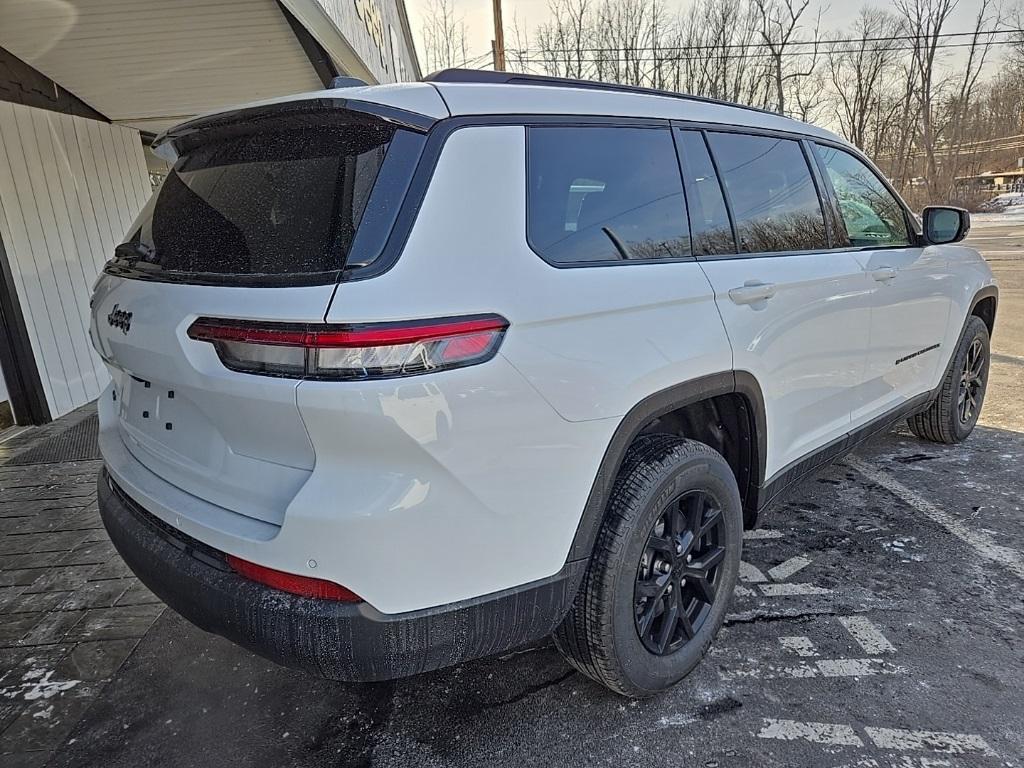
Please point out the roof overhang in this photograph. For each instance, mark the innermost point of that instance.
(150, 64)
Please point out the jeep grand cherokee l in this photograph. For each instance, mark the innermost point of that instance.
(407, 375)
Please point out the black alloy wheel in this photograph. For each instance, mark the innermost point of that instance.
(677, 575)
(660, 577)
(954, 412)
(971, 382)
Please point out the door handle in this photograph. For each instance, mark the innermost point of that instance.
(752, 292)
(883, 274)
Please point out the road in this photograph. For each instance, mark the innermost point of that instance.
(878, 623)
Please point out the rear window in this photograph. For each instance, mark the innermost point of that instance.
(605, 194)
(271, 203)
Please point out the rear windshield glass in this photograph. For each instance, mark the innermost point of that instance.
(281, 202)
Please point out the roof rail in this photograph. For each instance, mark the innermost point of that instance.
(512, 78)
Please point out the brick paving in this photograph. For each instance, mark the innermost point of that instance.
(70, 610)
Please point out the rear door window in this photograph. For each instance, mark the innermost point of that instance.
(871, 214)
(605, 194)
(771, 192)
(269, 203)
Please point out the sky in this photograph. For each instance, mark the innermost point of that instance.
(836, 16)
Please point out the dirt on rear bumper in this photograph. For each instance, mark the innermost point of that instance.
(339, 641)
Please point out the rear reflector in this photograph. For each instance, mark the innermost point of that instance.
(370, 351)
(289, 582)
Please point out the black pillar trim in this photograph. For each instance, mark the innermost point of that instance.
(24, 387)
(318, 57)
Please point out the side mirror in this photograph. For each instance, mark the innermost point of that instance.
(944, 224)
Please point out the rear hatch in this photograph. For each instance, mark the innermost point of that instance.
(255, 222)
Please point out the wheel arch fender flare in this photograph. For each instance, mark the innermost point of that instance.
(986, 292)
(651, 407)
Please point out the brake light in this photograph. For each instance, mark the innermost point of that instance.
(369, 351)
(290, 582)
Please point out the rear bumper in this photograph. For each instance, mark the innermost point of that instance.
(340, 641)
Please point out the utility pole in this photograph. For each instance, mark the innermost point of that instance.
(498, 43)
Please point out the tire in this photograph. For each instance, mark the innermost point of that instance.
(953, 414)
(622, 593)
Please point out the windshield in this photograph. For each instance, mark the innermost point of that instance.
(281, 202)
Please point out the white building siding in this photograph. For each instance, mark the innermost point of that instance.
(69, 189)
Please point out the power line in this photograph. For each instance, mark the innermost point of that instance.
(838, 41)
(539, 56)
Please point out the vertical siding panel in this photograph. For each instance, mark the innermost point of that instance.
(120, 202)
(44, 244)
(69, 187)
(79, 261)
(139, 169)
(15, 236)
(26, 251)
(12, 230)
(104, 193)
(117, 138)
(57, 231)
(126, 198)
(91, 183)
(86, 213)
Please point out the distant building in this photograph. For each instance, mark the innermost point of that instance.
(84, 85)
(997, 181)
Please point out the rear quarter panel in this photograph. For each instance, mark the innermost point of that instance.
(492, 465)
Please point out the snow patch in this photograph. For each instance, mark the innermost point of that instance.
(37, 684)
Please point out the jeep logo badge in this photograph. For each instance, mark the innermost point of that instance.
(118, 318)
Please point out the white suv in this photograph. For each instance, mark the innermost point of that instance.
(407, 375)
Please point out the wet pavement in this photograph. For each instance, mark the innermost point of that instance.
(878, 623)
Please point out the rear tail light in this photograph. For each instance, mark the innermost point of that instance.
(289, 582)
(370, 351)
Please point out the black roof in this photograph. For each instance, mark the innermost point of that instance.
(512, 78)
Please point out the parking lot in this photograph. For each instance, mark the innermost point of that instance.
(879, 623)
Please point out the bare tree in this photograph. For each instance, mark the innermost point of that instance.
(944, 102)
(518, 54)
(444, 36)
(884, 82)
(713, 52)
(923, 21)
(861, 65)
(1016, 16)
(962, 102)
(897, 127)
(780, 29)
(564, 40)
(626, 37)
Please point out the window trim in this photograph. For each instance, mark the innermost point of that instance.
(831, 234)
(829, 193)
(442, 129)
(690, 189)
(801, 137)
(609, 122)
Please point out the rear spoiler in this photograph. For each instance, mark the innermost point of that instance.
(173, 142)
